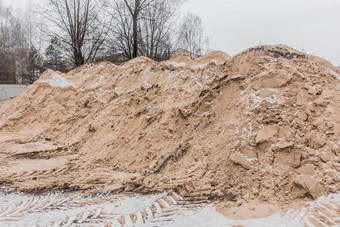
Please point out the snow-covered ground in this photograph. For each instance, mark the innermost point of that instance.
(8, 91)
(167, 209)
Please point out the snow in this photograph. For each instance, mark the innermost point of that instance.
(334, 74)
(175, 64)
(258, 100)
(201, 66)
(210, 217)
(199, 84)
(101, 66)
(56, 80)
(214, 62)
(171, 75)
(125, 205)
(299, 73)
(146, 76)
(269, 58)
(247, 131)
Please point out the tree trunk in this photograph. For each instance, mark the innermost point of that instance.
(135, 29)
(78, 57)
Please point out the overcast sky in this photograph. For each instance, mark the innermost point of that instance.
(235, 25)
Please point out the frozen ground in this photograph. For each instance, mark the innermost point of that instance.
(166, 209)
(8, 91)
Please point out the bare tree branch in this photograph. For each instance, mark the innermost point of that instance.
(79, 24)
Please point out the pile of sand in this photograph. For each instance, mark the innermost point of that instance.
(263, 124)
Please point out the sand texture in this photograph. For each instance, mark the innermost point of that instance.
(263, 125)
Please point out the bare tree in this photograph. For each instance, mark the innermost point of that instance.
(120, 37)
(8, 29)
(158, 28)
(191, 37)
(32, 28)
(18, 36)
(77, 24)
(126, 15)
(142, 27)
(9, 37)
(135, 8)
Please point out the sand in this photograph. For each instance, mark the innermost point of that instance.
(259, 126)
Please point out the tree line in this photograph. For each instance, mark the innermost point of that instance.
(19, 58)
(75, 32)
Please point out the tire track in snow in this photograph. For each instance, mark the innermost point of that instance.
(72, 209)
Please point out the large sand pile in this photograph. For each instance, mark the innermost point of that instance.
(263, 124)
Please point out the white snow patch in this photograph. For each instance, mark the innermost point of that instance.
(175, 64)
(258, 100)
(334, 74)
(210, 217)
(101, 66)
(269, 58)
(201, 66)
(59, 207)
(171, 75)
(214, 62)
(57, 80)
(330, 109)
(300, 73)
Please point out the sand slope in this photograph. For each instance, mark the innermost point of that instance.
(263, 125)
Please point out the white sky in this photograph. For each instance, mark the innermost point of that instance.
(235, 25)
(16, 3)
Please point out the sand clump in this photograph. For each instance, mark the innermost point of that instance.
(261, 125)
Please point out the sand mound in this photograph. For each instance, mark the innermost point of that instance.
(217, 57)
(262, 124)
